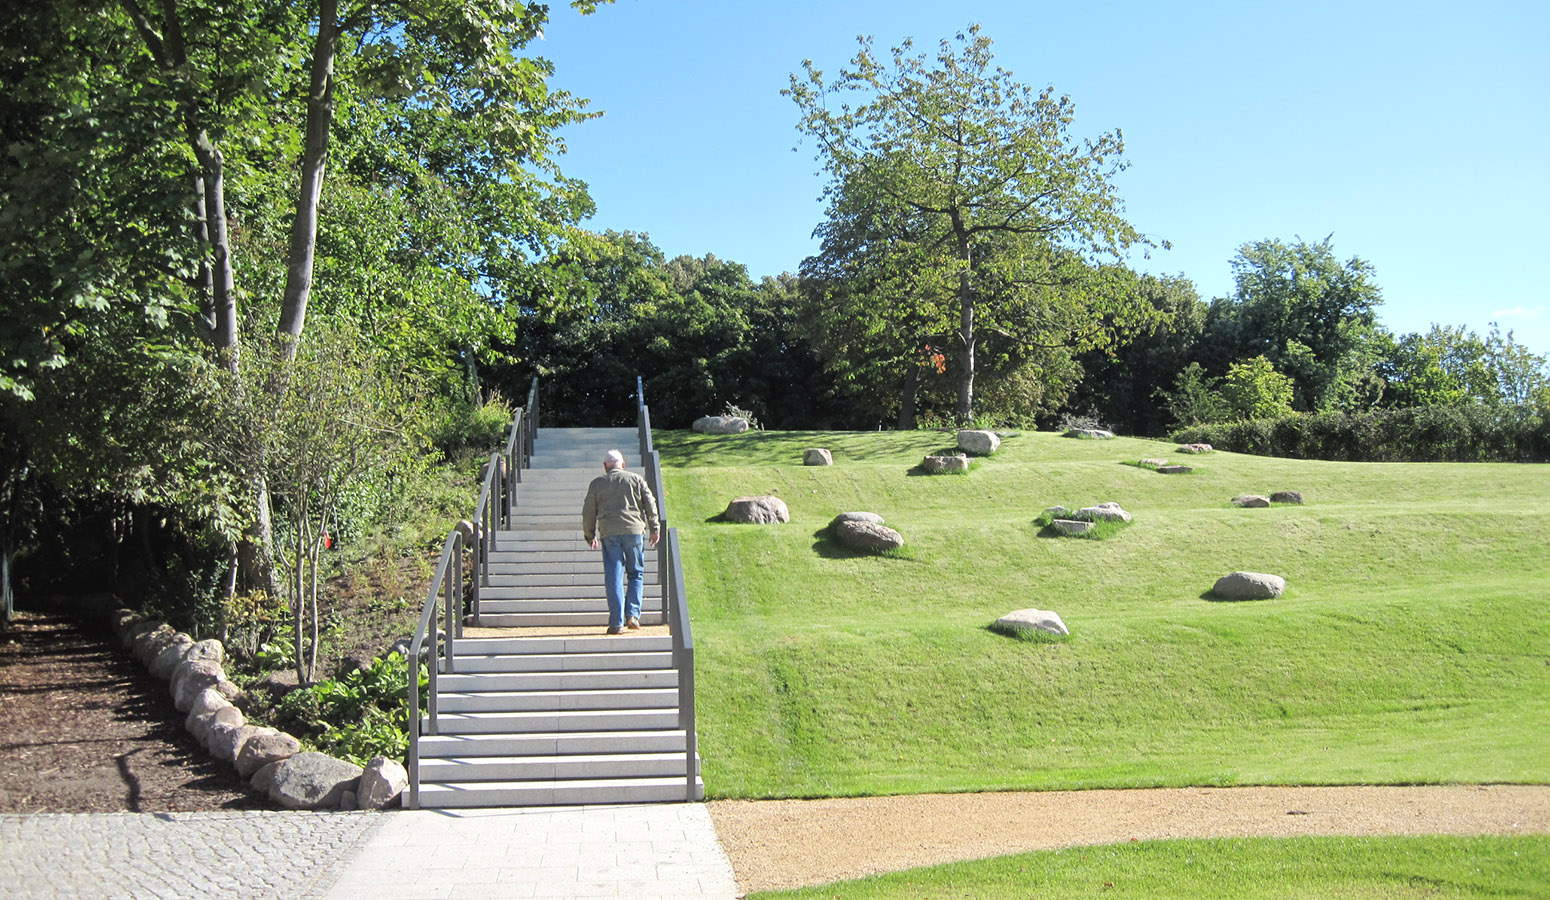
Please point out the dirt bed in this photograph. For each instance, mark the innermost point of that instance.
(782, 844)
(85, 729)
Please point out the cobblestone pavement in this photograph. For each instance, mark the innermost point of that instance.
(665, 851)
(160, 856)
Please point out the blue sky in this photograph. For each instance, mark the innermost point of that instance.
(1415, 133)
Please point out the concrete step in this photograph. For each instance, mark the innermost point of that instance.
(540, 721)
(576, 743)
(551, 768)
(489, 605)
(511, 587)
(579, 568)
(575, 680)
(598, 620)
(556, 701)
(517, 646)
(559, 662)
(464, 795)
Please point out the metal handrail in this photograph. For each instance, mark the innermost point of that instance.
(448, 582)
(492, 511)
(675, 600)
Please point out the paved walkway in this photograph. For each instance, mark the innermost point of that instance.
(658, 851)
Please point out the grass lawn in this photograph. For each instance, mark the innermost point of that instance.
(1412, 644)
(1335, 868)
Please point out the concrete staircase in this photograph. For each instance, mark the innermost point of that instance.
(540, 718)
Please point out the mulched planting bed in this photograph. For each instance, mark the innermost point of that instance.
(83, 728)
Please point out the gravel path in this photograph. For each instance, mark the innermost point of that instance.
(782, 844)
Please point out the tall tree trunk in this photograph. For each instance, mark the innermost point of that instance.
(907, 399)
(966, 335)
(304, 229)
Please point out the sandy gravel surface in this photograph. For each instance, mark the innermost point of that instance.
(777, 844)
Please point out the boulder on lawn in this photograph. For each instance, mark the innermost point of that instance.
(1175, 470)
(1286, 497)
(757, 511)
(720, 425)
(817, 456)
(1195, 448)
(1249, 586)
(313, 780)
(1091, 434)
(1032, 620)
(382, 782)
(979, 443)
(939, 465)
(872, 517)
(1103, 512)
(1251, 501)
(867, 537)
(1154, 462)
(1071, 526)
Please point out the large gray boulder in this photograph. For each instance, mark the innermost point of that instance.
(203, 727)
(1032, 620)
(122, 620)
(867, 537)
(1175, 470)
(148, 644)
(1286, 497)
(262, 749)
(226, 740)
(817, 456)
(757, 511)
(191, 677)
(210, 649)
(1252, 501)
(1195, 448)
(1103, 512)
(313, 781)
(979, 443)
(720, 425)
(1071, 526)
(138, 627)
(1091, 434)
(872, 517)
(382, 782)
(942, 465)
(167, 660)
(1249, 586)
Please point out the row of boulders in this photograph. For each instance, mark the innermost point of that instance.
(272, 760)
(1260, 501)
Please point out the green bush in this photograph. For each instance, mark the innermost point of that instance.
(360, 715)
(1464, 433)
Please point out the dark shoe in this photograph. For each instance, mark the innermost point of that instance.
(616, 631)
(633, 624)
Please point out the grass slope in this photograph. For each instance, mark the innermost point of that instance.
(1429, 868)
(1412, 644)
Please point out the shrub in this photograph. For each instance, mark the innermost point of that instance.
(360, 715)
(1464, 433)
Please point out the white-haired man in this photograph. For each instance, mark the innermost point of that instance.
(619, 515)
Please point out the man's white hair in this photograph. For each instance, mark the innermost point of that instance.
(613, 459)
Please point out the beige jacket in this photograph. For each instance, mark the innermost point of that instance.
(619, 502)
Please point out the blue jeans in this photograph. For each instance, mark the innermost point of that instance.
(624, 576)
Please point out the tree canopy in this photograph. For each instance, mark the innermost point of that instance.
(960, 206)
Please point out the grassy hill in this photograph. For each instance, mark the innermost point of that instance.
(1412, 644)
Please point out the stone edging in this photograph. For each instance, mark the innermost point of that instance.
(272, 761)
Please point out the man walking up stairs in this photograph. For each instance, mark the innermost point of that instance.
(543, 708)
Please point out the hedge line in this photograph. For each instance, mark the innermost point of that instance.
(1423, 434)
